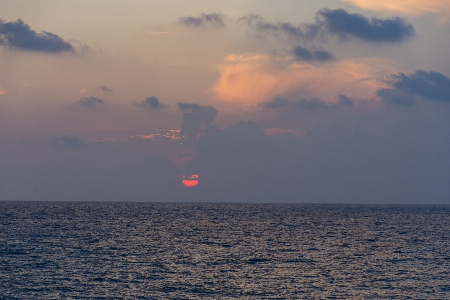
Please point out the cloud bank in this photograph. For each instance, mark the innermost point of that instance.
(18, 35)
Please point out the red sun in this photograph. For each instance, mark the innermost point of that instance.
(191, 180)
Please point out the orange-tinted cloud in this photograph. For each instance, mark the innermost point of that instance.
(254, 78)
(439, 7)
(2, 91)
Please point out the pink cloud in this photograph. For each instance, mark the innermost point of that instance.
(250, 79)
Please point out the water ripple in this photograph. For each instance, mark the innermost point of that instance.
(227, 251)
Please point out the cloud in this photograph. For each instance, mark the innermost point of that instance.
(106, 89)
(212, 19)
(18, 35)
(345, 25)
(152, 103)
(421, 84)
(305, 54)
(261, 26)
(2, 91)
(90, 102)
(430, 85)
(306, 104)
(337, 22)
(198, 117)
(66, 141)
(254, 78)
(438, 7)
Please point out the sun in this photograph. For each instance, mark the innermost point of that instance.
(191, 180)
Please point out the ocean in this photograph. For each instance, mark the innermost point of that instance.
(62, 250)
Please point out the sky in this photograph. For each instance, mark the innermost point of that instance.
(265, 100)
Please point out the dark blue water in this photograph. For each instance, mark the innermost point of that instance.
(223, 251)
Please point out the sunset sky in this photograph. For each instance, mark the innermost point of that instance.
(267, 101)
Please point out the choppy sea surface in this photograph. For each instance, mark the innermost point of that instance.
(58, 250)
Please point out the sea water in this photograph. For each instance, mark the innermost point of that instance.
(58, 250)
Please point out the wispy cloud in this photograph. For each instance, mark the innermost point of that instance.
(212, 19)
(18, 35)
(151, 102)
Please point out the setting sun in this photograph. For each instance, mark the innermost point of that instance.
(191, 180)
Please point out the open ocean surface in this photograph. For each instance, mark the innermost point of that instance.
(58, 250)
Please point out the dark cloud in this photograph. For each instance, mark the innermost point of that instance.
(344, 25)
(421, 84)
(212, 19)
(19, 35)
(187, 106)
(336, 22)
(152, 103)
(429, 85)
(200, 116)
(66, 141)
(305, 54)
(90, 102)
(106, 89)
(306, 104)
